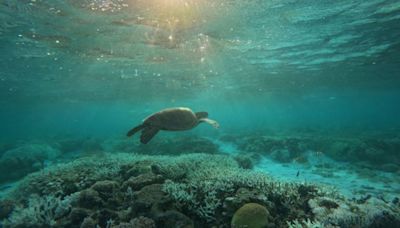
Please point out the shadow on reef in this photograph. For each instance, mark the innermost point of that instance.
(193, 190)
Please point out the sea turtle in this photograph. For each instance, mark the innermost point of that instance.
(171, 119)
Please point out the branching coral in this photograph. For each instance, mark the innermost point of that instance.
(40, 211)
(344, 213)
(307, 223)
(208, 182)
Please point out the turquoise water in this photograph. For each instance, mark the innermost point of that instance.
(305, 92)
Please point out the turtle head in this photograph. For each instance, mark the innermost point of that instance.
(201, 115)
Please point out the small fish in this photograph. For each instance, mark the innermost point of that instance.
(298, 173)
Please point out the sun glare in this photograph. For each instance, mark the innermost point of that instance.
(179, 14)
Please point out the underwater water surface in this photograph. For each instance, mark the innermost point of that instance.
(306, 94)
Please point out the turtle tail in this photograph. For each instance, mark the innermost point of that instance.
(135, 129)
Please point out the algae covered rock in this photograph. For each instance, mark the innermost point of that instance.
(139, 222)
(105, 188)
(251, 215)
(78, 215)
(6, 207)
(25, 159)
(136, 183)
(174, 219)
(136, 168)
(371, 212)
(89, 199)
(244, 162)
(88, 222)
(150, 198)
(247, 160)
(142, 222)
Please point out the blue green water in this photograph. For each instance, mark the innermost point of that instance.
(281, 63)
(320, 71)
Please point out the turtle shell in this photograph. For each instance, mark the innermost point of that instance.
(173, 119)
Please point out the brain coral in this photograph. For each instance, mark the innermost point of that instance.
(251, 215)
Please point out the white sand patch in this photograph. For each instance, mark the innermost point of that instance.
(343, 176)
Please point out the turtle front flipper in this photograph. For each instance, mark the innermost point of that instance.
(213, 123)
(147, 134)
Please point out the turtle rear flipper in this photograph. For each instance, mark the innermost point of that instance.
(134, 130)
(201, 115)
(147, 134)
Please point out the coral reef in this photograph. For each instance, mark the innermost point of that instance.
(164, 146)
(190, 190)
(293, 146)
(5, 146)
(6, 207)
(373, 152)
(342, 213)
(25, 159)
(39, 212)
(251, 215)
(139, 222)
